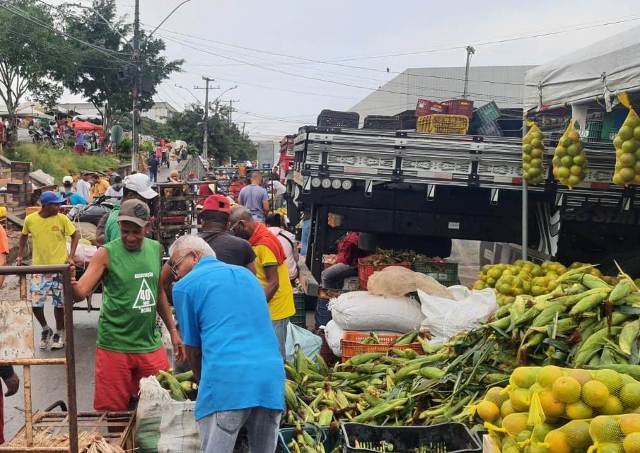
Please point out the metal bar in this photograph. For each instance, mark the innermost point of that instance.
(36, 449)
(70, 360)
(28, 409)
(24, 270)
(30, 362)
(525, 200)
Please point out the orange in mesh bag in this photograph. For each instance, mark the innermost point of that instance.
(533, 155)
(569, 159)
(627, 145)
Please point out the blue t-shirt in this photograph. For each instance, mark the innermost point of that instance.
(73, 198)
(222, 310)
(252, 197)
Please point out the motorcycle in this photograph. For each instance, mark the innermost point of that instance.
(36, 135)
(92, 212)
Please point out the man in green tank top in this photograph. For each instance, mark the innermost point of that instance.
(129, 344)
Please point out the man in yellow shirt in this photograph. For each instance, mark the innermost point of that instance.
(99, 186)
(271, 269)
(49, 230)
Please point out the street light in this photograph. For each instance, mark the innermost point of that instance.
(190, 92)
(225, 92)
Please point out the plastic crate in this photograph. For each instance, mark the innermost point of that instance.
(331, 438)
(443, 124)
(366, 270)
(407, 119)
(490, 129)
(300, 318)
(334, 118)
(425, 107)
(444, 272)
(443, 438)
(381, 122)
(462, 107)
(593, 131)
(351, 345)
(487, 113)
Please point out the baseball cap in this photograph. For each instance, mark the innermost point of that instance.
(51, 198)
(139, 182)
(134, 211)
(67, 179)
(218, 203)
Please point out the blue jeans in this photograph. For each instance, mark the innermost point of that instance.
(219, 431)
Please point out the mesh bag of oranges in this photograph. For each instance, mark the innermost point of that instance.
(627, 145)
(615, 433)
(544, 402)
(569, 159)
(533, 155)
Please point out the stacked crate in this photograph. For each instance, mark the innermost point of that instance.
(19, 188)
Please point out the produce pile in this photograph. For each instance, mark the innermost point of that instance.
(180, 386)
(627, 145)
(551, 410)
(533, 155)
(569, 160)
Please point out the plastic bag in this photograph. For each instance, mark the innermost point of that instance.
(397, 281)
(445, 318)
(308, 341)
(164, 425)
(533, 155)
(569, 158)
(359, 310)
(627, 145)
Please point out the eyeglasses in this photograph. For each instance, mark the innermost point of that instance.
(173, 267)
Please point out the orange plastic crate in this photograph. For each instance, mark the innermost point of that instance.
(366, 270)
(443, 124)
(351, 346)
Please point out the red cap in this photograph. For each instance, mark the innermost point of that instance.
(217, 203)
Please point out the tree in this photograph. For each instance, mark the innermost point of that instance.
(30, 55)
(103, 72)
(225, 140)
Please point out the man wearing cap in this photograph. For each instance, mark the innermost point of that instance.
(68, 194)
(83, 186)
(229, 249)
(135, 186)
(129, 344)
(49, 230)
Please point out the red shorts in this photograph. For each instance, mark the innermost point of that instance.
(118, 376)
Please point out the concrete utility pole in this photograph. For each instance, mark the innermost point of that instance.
(136, 88)
(230, 113)
(205, 141)
(470, 51)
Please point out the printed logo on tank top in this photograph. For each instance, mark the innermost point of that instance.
(145, 300)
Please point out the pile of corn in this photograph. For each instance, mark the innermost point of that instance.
(551, 410)
(180, 386)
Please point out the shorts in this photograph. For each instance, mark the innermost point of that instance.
(118, 376)
(46, 285)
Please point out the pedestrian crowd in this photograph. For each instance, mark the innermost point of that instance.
(230, 286)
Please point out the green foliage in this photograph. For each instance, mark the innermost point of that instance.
(59, 162)
(30, 54)
(124, 148)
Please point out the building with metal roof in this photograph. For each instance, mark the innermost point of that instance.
(502, 84)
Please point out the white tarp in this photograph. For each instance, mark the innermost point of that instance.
(578, 77)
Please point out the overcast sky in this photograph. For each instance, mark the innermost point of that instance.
(246, 43)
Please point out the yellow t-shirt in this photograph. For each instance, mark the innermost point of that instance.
(281, 305)
(49, 237)
(99, 188)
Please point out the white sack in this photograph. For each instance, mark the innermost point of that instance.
(359, 310)
(445, 318)
(333, 334)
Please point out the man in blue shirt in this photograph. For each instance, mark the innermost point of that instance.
(232, 348)
(254, 197)
(71, 197)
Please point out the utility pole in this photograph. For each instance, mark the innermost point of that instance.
(136, 88)
(205, 141)
(230, 112)
(243, 126)
(470, 51)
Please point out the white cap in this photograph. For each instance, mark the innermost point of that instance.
(140, 183)
(67, 179)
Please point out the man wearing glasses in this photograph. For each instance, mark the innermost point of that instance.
(129, 344)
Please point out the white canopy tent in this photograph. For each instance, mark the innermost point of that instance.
(601, 70)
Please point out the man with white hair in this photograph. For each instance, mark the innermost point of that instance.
(231, 346)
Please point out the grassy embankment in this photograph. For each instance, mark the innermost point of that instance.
(60, 162)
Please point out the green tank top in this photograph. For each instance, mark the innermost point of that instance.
(111, 227)
(130, 292)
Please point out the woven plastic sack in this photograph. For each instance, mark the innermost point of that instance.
(569, 159)
(400, 281)
(533, 155)
(359, 310)
(164, 425)
(627, 145)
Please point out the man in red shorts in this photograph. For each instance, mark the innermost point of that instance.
(129, 344)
